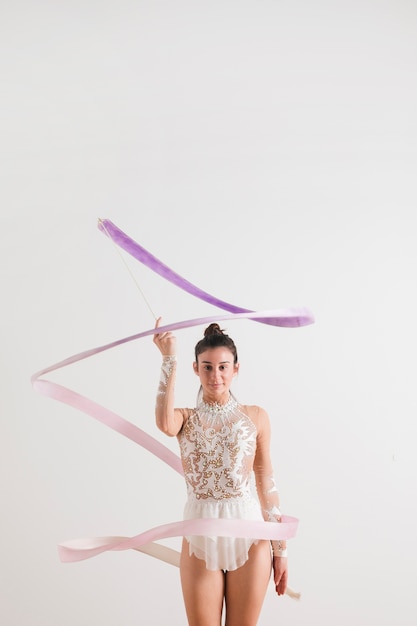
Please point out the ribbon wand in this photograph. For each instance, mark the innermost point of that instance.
(294, 317)
(281, 317)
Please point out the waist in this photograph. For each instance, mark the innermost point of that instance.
(244, 494)
(220, 486)
(219, 493)
(245, 507)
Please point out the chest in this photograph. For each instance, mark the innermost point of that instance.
(227, 440)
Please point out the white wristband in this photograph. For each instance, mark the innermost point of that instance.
(282, 553)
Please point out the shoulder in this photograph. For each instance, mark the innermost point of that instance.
(253, 410)
(185, 413)
(258, 415)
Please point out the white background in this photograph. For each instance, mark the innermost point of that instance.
(267, 152)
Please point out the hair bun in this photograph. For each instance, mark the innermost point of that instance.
(214, 337)
(213, 329)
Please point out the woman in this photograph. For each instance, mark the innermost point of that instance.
(223, 446)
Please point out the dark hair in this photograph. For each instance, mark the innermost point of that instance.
(214, 337)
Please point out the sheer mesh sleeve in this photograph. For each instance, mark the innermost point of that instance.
(167, 369)
(164, 408)
(265, 482)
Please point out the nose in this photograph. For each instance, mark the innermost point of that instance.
(216, 375)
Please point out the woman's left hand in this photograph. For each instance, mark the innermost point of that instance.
(280, 565)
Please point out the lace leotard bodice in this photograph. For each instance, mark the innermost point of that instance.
(218, 444)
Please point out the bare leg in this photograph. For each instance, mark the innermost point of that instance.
(203, 590)
(246, 587)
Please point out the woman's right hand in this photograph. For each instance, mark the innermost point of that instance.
(165, 342)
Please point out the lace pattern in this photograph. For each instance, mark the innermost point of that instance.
(269, 499)
(167, 367)
(218, 444)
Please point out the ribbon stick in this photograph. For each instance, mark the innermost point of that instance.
(81, 549)
(298, 317)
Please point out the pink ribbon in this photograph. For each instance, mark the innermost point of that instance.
(81, 549)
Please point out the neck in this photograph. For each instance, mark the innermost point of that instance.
(220, 399)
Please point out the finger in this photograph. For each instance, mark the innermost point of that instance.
(280, 589)
(156, 336)
(281, 584)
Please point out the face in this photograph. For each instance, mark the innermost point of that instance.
(216, 370)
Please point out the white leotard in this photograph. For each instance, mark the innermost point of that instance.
(218, 445)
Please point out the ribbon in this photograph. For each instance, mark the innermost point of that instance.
(289, 318)
(81, 549)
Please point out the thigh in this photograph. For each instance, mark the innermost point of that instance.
(246, 587)
(203, 590)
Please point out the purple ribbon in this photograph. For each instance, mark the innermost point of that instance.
(290, 318)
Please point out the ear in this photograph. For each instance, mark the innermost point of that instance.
(195, 368)
(236, 369)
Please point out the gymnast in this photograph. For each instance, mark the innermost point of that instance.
(225, 454)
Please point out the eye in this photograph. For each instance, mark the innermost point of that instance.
(207, 368)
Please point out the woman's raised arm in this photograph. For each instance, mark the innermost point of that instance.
(168, 419)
